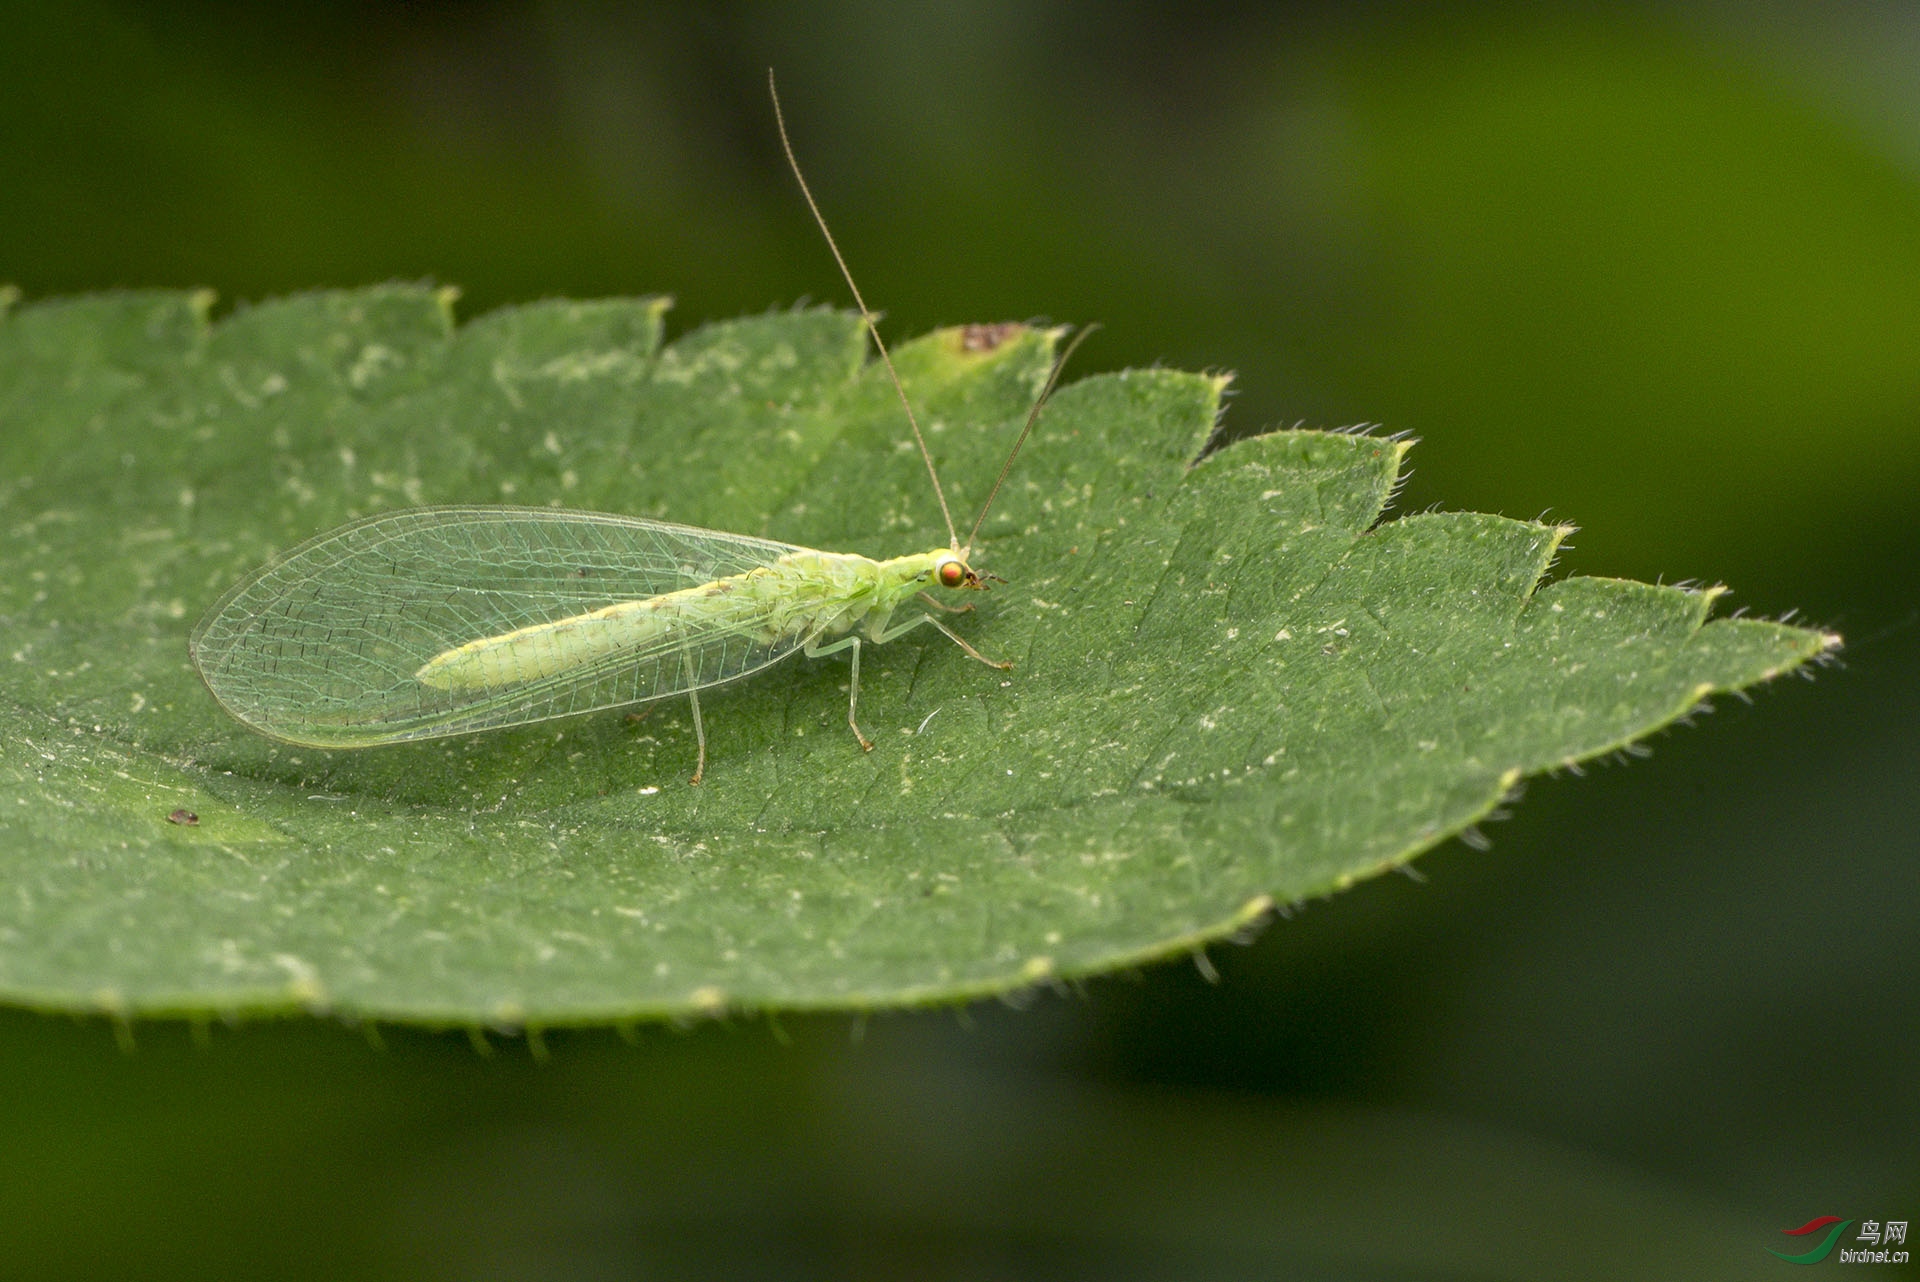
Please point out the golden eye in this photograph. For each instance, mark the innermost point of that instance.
(952, 574)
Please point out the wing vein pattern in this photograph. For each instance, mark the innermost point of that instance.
(323, 645)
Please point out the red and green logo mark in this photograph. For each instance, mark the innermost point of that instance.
(1807, 1230)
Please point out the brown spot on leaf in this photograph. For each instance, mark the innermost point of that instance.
(984, 338)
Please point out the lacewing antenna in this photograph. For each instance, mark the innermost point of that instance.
(779, 119)
(1033, 416)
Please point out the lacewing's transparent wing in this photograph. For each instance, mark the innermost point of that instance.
(323, 645)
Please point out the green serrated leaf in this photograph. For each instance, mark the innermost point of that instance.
(1233, 686)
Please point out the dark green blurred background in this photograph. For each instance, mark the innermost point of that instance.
(1655, 270)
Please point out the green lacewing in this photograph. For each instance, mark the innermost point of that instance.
(436, 621)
